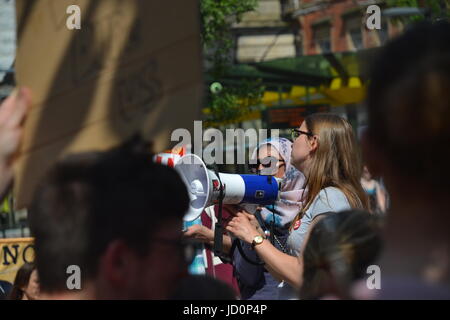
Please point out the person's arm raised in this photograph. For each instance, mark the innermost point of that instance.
(206, 235)
(282, 266)
(381, 197)
(12, 114)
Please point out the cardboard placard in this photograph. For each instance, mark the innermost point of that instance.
(133, 66)
(14, 252)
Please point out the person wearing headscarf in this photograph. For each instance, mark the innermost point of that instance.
(255, 282)
(286, 209)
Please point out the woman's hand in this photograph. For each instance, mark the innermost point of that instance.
(250, 217)
(233, 209)
(254, 222)
(201, 233)
(241, 227)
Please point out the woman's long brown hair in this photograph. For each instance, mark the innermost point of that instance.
(335, 163)
(22, 279)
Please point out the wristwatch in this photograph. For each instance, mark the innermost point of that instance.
(257, 240)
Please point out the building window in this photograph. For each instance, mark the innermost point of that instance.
(383, 33)
(322, 38)
(353, 30)
(298, 40)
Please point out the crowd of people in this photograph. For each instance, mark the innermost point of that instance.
(118, 215)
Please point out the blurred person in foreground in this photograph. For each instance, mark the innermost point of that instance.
(118, 217)
(407, 142)
(26, 283)
(203, 287)
(338, 251)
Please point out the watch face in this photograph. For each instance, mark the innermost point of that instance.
(258, 239)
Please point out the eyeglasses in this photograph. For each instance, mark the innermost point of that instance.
(186, 248)
(265, 163)
(295, 133)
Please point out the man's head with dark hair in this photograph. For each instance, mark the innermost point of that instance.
(409, 105)
(116, 215)
(407, 143)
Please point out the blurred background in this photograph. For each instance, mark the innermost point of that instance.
(268, 64)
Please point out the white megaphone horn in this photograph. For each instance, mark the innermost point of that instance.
(204, 186)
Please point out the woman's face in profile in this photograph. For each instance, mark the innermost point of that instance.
(301, 149)
(31, 291)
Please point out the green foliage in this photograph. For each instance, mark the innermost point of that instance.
(217, 18)
(233, 103)
(438, 8)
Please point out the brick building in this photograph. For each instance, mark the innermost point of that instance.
(335, 25)
(262, 34)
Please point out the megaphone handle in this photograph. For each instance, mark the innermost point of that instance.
(218, 230)
(263, 224)
(218, 239)
(260, 219)
(272, 226)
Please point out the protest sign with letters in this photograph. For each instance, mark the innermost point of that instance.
(14, 252)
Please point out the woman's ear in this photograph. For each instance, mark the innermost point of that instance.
(314, 143)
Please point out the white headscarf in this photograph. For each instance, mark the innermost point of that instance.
(289, 205)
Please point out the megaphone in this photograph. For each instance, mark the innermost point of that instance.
(204, 186)
(170, 157)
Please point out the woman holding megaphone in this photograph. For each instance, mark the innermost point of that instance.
(255, 282)
(325, 150)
